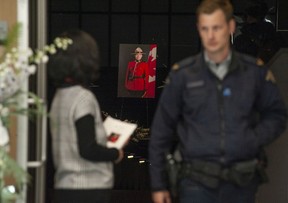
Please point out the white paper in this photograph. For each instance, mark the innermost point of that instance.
(118, 132)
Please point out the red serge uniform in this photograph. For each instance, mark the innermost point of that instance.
(137, 76)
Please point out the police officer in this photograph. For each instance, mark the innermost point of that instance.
(224, 108)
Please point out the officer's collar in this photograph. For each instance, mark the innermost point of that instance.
(234, 64)
(226, 61)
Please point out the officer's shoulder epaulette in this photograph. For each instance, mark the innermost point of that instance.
(252, 60)
(248, 59)
(260, 62)
(187, 62)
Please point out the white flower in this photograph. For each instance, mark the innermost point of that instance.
(8, 60)
(52, 49)
(17, 65)
(31, 69)
(40, 53)
(37, 60)
(45, 59)
(8, 55)
(4, 141)
(2, 85)
(4, 111)
(29, 52)
(59, 44)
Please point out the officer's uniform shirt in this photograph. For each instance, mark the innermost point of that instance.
(219, 69)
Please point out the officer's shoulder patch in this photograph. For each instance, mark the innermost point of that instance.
(175, 67)
(270, 77)
(260, 62)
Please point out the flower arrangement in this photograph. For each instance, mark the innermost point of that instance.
(16, 65)
(15, 68)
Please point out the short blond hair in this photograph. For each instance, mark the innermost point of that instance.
(209, 6)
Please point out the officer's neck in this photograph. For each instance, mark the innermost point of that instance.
(219, 57)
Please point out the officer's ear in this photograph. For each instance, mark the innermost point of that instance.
(232, 26)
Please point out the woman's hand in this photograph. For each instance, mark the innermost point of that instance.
(120, 156)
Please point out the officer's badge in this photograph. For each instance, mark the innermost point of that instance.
(175, 66)
(270, 77)
(260, 62)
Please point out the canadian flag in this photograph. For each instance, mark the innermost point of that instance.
(152, 71)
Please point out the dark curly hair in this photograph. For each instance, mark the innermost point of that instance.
(78, 64)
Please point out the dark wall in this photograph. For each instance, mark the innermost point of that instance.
(282, 15)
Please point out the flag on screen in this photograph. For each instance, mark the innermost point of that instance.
(152, 71)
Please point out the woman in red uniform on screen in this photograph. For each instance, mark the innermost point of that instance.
(137, 75)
